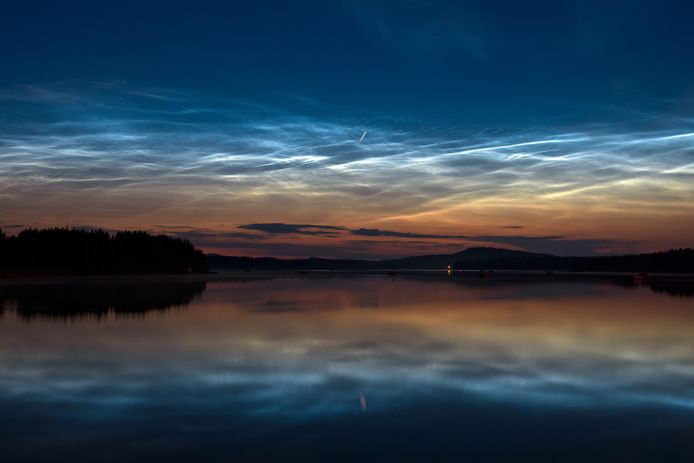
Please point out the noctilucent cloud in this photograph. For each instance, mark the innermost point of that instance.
(353, 129)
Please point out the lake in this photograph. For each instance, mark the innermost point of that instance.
(345, 368)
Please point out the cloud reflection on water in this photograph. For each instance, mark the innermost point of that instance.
(332, 339)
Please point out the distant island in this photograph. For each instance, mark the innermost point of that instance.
(479, 258)
(63, 250)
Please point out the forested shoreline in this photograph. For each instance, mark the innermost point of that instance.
(98, 251)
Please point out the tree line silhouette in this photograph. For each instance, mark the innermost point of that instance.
(98, 251)
(672, 261)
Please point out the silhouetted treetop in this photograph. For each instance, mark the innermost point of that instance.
(98, 251)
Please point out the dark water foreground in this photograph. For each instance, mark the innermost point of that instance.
(345, 368)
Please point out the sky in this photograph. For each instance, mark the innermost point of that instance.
(564, 127)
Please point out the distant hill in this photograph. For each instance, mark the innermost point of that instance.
(465, 258)
(673, 261)
(442, 261)
(424, 262)
(434, 261)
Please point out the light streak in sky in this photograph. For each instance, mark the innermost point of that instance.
(189, 161)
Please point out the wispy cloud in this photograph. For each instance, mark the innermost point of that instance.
(108, 151)
(294, 229)
(390, 233)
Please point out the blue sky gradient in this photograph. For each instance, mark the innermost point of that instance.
(563, 127)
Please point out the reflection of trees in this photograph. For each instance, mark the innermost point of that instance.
(671, 286)
(530, 285)
(673, 289)
(97, 299)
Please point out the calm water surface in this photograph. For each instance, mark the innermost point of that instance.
(345, 369)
